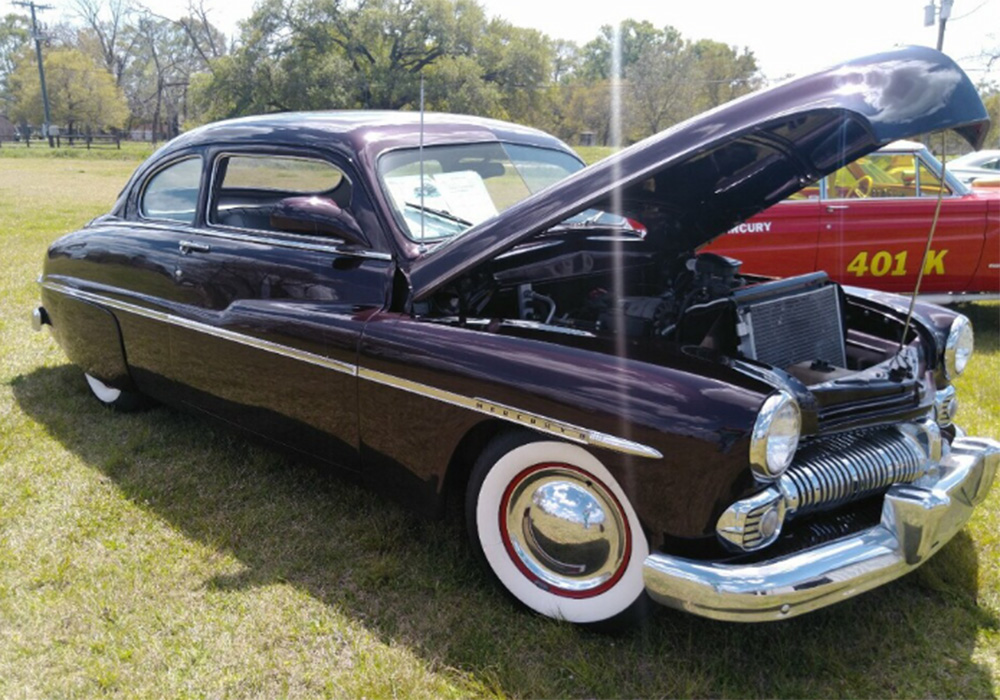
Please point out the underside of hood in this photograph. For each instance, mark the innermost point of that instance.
(696, 180)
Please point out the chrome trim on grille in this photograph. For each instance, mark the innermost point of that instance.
(507, 413)
(849, 467)
(832, 472)
(945, 406)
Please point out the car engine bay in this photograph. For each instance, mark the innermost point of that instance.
(576, 292)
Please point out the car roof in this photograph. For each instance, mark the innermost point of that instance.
(903, 145)
(976, 157)
(361, 133)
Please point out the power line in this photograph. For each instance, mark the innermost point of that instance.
(37, 36)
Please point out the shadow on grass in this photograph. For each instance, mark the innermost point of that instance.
(414, 583)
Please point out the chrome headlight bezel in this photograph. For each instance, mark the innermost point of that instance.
(959, 347)
(770, 453)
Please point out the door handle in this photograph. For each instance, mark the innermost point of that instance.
(836, 207)
(192, 247)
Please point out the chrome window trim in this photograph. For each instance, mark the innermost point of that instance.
(510, 414)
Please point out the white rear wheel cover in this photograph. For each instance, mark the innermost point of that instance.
(102, 391)
(599, 607)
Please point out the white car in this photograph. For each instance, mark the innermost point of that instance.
(976, 165)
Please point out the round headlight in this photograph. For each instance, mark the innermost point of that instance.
(775, 436)
(958, 349)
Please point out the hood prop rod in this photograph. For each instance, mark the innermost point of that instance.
(930, 239)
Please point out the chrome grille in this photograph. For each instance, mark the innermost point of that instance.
(849, 467)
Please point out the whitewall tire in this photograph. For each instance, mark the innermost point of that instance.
(556, 529)
(118, 399)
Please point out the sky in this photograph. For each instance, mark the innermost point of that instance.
(787, 37)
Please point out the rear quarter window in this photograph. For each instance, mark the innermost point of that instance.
(172, 193)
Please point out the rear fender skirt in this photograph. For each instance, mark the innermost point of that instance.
(90, 337)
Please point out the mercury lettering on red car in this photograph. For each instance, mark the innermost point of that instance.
(869, 221)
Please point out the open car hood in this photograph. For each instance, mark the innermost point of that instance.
(699, 178)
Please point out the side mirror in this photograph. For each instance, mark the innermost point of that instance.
(316, 215)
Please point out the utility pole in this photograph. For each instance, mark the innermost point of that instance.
(37, 36)
(943, 14)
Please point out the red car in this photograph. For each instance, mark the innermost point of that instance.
(867, 224)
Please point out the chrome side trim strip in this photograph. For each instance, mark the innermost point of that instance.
(540, 423)
(567, 431)
(242, 339)
(247, 235)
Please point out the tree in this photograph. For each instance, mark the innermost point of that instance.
(82, 94)
(167, 54)
(991, 98)
(723, 73)
(14, 36)
(107, 34)
(518, 62)
(456, 84)
(277, 69)
(585, 107)
(375, 50)
(634, 38)
(565, 61)
(660, 86)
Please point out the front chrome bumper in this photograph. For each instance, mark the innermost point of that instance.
(917, 520)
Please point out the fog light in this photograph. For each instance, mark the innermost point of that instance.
(752, 523)
(769, 523)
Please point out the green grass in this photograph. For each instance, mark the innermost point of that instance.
(131, 151)
(592, 154)
(153, 555)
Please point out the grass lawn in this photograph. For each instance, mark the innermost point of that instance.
(154, 555)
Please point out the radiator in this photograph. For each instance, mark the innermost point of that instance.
(793, 327)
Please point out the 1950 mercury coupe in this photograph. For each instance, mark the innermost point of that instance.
(449, 305)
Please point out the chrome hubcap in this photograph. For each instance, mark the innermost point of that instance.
(565, 530)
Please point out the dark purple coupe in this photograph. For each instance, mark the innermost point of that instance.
(458, 307)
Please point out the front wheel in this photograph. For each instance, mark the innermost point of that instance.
(118, 399)
(556, 529)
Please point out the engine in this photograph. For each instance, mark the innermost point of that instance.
(704, 301)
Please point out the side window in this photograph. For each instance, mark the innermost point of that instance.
(877, 175)
(172, 193)
(930, 184)
(253, 191)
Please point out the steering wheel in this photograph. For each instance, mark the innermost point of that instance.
(863, 187)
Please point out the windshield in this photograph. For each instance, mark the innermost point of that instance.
(465, 184)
